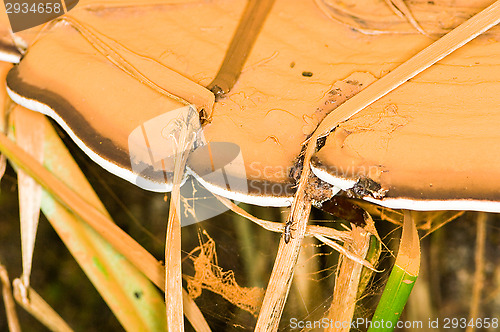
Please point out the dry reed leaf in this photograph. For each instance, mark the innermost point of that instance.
(311, 230)
(30, 134)
(428, 221)
(387, 214)
(103, 265)
(433, 220)
(173, 272)
(249, 27)
(286, 260)
(71, 200)
(36, 306)
(184, 135)
(194, 314)
(352, 255)
(345, 294)
(408, 258)
(479, 273)
(8, 301)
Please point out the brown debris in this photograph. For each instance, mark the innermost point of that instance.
(366, 187)
(341, 207)
(318, 191)
(212, 277)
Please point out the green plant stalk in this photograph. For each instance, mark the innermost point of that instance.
(401, 280)
(393, 300)
(134, 300)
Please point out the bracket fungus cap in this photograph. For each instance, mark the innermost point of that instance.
(430, 144)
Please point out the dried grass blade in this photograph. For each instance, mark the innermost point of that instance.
(173, 271)
(284, 265)
(41, 310)
(480, 272)
(104, 266)
(30, 132)
(73, 202)
(442, 220)
(193, 314)
(184, 136)
(345, 294)
(273, 226)
(352, 255)
(8, 301)
(246, 34)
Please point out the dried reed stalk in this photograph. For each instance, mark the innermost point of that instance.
(284, 265)
(479, 273)
(41, 310)
(8, 301)
(345, 293)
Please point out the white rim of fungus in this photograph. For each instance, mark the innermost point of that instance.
(411, 204)
(436, 205)
(131, 177)
(9, 57)
(106, 164)
(336, 181)
(271, 201)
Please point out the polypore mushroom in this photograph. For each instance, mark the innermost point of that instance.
(430, 144)
(103, 73)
